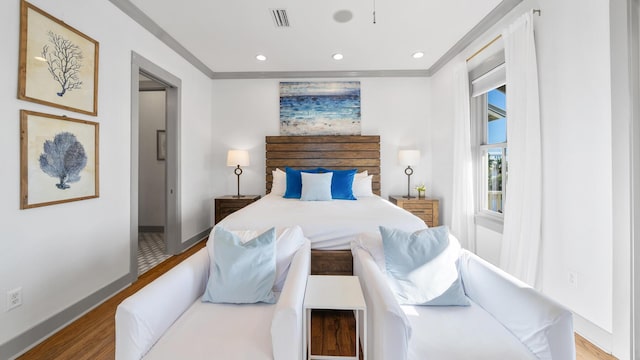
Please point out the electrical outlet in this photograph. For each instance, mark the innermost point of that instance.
(14, 298)
(572, 279)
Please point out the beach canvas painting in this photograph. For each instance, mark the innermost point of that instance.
(320, 108)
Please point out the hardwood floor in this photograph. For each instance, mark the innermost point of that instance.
(587, 351)
(92, 337)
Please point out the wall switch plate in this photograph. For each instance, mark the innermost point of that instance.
(14, 298)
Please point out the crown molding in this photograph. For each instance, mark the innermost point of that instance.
(485, 24)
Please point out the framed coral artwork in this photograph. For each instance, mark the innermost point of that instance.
(58, 64)
(58, 159)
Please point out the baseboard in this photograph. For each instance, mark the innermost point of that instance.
(30, 338)
(150, 228)
(195, 239)
(592, 332)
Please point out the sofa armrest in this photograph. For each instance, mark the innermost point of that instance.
(540, 323)
(388, 328)
(286, 326)
(143, 318)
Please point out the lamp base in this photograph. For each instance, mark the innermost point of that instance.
(409, 197)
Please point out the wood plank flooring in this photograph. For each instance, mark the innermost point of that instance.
(92, 337)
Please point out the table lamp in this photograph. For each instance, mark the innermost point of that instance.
(238, 158)
(408, 157)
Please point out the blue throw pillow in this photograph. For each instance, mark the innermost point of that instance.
(422, 267)
(316, 187)
(342, 183)
(242, 273)
(294, 182)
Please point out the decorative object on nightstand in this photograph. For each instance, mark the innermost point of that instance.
(408, 157)
(425, 208)
(238, 158)
(421, 191)
(226, 205)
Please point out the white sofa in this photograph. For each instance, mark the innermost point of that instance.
(167, 319)
(506, 320)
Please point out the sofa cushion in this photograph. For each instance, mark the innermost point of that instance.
(421, 266)
(460, 333)
(242, 272)
(218, 331)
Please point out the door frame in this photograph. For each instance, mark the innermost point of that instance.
(173, 228)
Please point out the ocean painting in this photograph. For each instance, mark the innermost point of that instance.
(320, 108)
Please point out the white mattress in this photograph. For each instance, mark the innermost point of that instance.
(232, 332)
(330, 225)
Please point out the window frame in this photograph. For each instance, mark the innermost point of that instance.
(479, 127)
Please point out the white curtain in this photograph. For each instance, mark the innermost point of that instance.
(521, 235)
(462, 207)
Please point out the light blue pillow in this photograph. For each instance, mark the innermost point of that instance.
(342, 183)
(316, 187)
(294, 182)
(242, 273)
(412, 270)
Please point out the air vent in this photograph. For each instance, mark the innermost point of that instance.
(280, 17)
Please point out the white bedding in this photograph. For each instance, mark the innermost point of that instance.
(330, 225)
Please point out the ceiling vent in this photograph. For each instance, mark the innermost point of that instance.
(280, 17)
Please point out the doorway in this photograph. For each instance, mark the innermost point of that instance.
(152, 249)
(155, 166)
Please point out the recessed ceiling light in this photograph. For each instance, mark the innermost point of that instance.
(337, 56)
(418, 55)
(342, 16)
(261, 57)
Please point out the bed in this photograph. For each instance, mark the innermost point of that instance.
(329, 225)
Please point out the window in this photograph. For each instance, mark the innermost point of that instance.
(489, 116)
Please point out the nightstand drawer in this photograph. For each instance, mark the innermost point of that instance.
(227, 205)
(424, 208)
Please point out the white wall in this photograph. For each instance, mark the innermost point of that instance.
(61, 254)
(151, 178)
(572, 39)
(245, 111)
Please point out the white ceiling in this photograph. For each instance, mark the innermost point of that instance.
(227, 35)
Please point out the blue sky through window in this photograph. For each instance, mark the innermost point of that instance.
(497, 129)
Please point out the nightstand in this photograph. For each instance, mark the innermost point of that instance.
(424, 208)
(228, 204)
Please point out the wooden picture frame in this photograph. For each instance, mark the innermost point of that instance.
(58, 159)
(161, 144)
(45, 44)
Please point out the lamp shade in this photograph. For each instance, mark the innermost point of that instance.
(238, 157)
(409, 157)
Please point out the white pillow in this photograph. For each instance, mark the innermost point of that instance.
(279, 184)
(362, 186)
(316, 187)
(288, 241)
(361, 174)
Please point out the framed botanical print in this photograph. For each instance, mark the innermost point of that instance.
(58, 159)
(58, 64)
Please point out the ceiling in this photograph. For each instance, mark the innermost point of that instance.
(226, 36)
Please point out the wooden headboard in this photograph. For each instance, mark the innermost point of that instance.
(334, 152)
